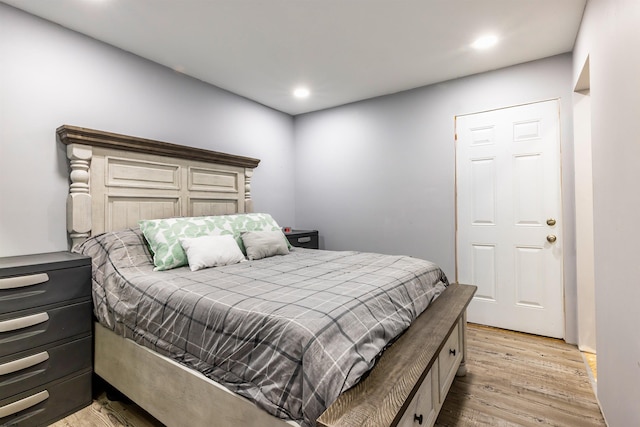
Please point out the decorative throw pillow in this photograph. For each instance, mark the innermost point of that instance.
(211, 251)
(163, 234)
(262, 244)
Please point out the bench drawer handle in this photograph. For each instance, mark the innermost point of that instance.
(22, 404)
(24, 363)
(22, 281)
(304, 239)
(23, 322)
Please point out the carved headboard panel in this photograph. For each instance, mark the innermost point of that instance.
(116, 180)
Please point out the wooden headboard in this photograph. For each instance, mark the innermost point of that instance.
(116, 180)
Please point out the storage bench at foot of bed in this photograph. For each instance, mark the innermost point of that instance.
(428, 400)
(412, 378)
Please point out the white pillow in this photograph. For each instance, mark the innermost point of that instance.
(262, 244)
(211, 251)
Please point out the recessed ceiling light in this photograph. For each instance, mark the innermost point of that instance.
(485, 42)
(301, 92)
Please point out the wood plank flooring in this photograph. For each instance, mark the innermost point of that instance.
(513, 379)
(517, 379)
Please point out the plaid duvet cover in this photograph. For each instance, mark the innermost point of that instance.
(289, 332)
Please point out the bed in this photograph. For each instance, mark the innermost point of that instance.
(118, 180)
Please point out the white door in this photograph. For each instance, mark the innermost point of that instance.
(509, 233)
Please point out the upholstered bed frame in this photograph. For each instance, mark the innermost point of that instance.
(116, 180)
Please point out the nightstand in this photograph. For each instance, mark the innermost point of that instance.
(303, 238)
(45, 337)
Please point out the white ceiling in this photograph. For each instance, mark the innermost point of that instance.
(342, 50)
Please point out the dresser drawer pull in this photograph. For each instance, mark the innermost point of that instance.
(22, 281)
(304, 239)
(24, 363)
(22, 404)
(23, 322)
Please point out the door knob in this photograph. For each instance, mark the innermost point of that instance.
(551, 222)
(551, 238)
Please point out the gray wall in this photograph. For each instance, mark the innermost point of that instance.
(609, 36)
(378, 175)
(51, 76)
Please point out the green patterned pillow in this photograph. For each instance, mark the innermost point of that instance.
(163, 235)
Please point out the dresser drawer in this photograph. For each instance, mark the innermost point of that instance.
(27, 329)
(48, 403)
(44, 287)
(23, 371)
(303, 238)
(449, 360)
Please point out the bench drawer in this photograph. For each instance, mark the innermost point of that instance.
(449, 360)
(422, 410)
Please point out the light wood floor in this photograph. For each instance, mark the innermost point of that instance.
(591, 359)
(516, 379)
(513, 379)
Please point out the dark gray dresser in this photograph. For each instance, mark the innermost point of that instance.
(45, 337)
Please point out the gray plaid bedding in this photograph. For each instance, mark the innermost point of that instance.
(289, 332)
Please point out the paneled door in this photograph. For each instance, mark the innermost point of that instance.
(509, 233)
